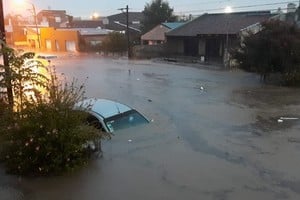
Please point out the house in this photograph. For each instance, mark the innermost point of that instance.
(32, 35)
(15, 30)
(53, 18)
(210, 36)
(118, 22)
(60, 40)
(91, 39)
(72, 39)
(291, 16)
(157, 34)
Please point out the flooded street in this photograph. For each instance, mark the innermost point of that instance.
(215, 135)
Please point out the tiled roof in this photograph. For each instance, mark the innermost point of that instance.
(210, 24)
(157, 33)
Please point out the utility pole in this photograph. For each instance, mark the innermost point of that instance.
(36, 25)
(127, 30)
(5, 59)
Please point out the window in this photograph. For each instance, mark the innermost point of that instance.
(57, 19)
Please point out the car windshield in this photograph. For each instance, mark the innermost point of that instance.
(125, 120)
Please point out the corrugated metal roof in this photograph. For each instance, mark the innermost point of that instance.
(173, 25)
(90, 31)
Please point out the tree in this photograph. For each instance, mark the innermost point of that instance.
(43, 134)
(274, 49)
(155, 13)
(18, 74)
(115, 42)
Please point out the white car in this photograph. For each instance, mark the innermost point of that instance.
(110, 116)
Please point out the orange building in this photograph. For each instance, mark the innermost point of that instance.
(60, 40)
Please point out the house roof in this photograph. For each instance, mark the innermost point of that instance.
(157, 33)
(51, 16)
(117, 21)
(220, 23)
(87, 23)
(172, 25)
(51, 12)
(91, 31)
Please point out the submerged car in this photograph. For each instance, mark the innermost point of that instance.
(109, 115)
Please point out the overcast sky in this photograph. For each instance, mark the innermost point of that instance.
(84, 8)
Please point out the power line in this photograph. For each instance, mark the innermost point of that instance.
(238, 7)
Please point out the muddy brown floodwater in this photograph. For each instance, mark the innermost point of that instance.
(215, 135)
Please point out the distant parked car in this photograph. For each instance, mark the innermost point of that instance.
(110, 116)
(45, 56)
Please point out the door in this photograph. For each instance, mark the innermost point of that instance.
(191, 46)
(70, 46)
(212, 49)
(48, 45)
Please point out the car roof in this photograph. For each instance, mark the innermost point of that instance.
(103, 107)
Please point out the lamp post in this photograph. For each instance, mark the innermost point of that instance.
(36, 25)
(34, 19)
(5, 58)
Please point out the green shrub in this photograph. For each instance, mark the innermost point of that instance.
(43, 134)
(47, 135)
(46, 140)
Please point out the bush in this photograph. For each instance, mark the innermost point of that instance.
(46, 140)
(43, 134)
(274, 49)
(47, 136)
(115, 42)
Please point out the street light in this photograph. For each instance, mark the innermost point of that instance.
(35, 20)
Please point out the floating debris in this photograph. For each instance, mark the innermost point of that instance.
(294, 140)
(289, 118)
(281, 119)
(129, 140)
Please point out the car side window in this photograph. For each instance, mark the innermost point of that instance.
(93, 121)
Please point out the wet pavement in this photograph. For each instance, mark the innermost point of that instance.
(215, 135)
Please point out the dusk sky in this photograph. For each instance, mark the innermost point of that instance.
(81, 8)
